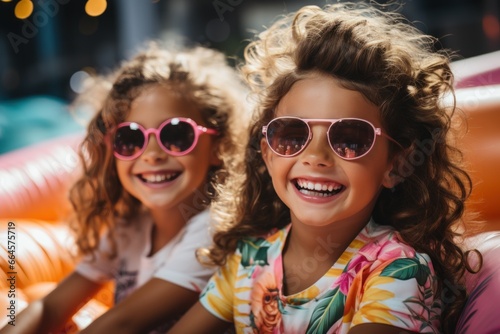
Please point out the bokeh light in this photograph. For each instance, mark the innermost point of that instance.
(95, 7)
(76, 81)
(23, 9)
(491, 26)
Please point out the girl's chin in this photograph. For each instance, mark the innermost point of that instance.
(317, 221)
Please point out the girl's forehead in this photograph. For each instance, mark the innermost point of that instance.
(157, 103)
(325, 97)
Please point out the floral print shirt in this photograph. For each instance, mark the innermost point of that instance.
(378, 279)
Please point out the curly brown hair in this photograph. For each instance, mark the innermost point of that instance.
(201, 75)
(396, 67)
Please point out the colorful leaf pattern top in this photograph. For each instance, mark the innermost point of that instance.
(378, 279)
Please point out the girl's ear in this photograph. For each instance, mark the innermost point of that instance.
(266, 155)
(391, 177)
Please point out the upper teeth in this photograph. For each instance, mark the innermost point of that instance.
(318, 186)
(156, 177)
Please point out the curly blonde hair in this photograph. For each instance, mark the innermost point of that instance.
(200, 75)
(396, 67)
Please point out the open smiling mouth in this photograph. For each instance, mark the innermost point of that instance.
(158, 178)
(318, 189)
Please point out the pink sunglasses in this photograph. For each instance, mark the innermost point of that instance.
(177, 136)
(349, 138)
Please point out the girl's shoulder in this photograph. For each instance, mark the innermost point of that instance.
(201, 217)
(199, 225)
(386, 240)
(383, 245)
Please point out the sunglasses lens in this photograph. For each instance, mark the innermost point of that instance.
(177, 136)
(128, 140)
(287, 136)
(351, 138)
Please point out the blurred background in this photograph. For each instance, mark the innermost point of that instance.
(48, 47)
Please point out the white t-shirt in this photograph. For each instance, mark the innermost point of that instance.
(175, 262)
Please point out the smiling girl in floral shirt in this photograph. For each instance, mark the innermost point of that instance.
(344, 218)
(401, 282)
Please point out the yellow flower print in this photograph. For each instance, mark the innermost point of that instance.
(224, 282)
(220, 306)
(377, 312)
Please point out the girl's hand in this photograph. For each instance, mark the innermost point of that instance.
(153, 304)
(199, 320)
(378, 329)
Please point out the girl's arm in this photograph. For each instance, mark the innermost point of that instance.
(198, 320)
(156, 302)
(52, 311)
(377, 329)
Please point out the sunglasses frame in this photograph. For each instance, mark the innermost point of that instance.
(198, 131)
(376, 131)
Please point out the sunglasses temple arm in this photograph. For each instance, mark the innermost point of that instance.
(208, 131)
(391, 139)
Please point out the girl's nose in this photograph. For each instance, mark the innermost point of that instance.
(153, 152)
(318, 152)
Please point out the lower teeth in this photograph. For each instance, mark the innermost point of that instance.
(315, 193)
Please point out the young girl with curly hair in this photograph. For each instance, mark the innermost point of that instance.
(345, 221)
(164, 136)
